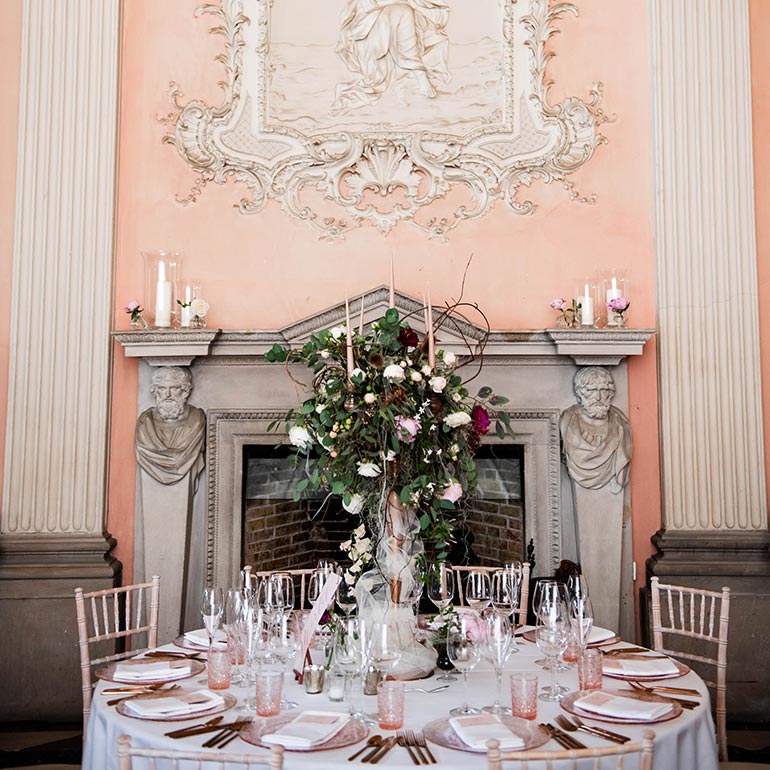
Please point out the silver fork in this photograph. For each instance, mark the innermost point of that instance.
(422, 743)
(411, 739)
(422, 689)
(572, 727)
(688, 704)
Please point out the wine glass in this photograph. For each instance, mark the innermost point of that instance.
(578, 586)
(285, 583)
(551, 604)
(477, 590)
(581, 619)
(212, 606)
(463, 650)
(441, 584)
(235, 626)
(496, 649)
(552, 641)
(315, 585)
(346, 594)
(283, 646)
(351, 654)
(257, 644)
(386, 646)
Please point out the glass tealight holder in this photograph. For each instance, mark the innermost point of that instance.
(188, 289)
(587, 299)
(161, 271)
(614, 291)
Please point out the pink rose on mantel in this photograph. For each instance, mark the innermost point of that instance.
(131, 306)
(558, 303)
(618, 305)
(407, 428)
(452, 492)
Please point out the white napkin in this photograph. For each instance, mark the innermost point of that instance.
(640, 666)
(597, 634)
(197, 702)
(142, 672)
(476, 730)
(625, 708)
(200, 638)
(308, 729)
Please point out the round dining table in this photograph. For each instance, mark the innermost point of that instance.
(688, 741)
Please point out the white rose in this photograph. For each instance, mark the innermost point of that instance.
(449, 358)
(426, 370)
(393, 372)
(416, 377)
(357, 373)
(370, 470)
(199, 307)
(457, 397)
(300, 437)
(324, 354)
(337, 331)
(320, 408)
(369, 398)
(456, 419)
(437, 384)
(356, 504)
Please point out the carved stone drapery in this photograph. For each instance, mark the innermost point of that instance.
(596, 440)
(292, 120)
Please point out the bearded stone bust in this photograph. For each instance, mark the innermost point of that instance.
(170, 436)
(595, 434)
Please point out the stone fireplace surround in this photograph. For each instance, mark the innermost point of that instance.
(242, 394)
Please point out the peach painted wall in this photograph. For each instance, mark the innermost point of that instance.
(266, 270)
(10, 63)
(759, 11)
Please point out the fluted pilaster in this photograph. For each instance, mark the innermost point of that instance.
(708, 335)
(58, 396)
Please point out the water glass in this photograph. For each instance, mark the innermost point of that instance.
(336, 689)
(269, 688)
(590, 670)
(219, 665)
(524, 694)
(390, 705)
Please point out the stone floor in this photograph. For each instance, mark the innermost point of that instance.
(58, 747)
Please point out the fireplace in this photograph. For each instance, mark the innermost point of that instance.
(241, 395)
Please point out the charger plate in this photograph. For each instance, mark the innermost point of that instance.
(230, 701)
(107, 671)
(353, 732)
(681, 670)
(568, 704)
(442, 733)
(531, 636)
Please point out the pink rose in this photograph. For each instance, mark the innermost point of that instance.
(407, 428)
(558, 303)
(131, 306)
(474, 625)
(452, 492)
(618, 305)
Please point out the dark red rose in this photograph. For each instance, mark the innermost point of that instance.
(481, 421)
(408, 338)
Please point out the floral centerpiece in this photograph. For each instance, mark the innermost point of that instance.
(399, 419)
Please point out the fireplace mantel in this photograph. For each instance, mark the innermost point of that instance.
(593, 347)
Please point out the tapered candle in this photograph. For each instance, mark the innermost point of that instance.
(431, 341)
(361, 319)
(392, 296)
(349, 338)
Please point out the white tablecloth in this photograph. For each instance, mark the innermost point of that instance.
(685, 742)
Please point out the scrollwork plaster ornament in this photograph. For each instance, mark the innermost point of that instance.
(385, 143)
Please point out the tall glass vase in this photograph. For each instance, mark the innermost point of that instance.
(161, 270)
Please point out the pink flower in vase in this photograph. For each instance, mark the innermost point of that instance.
(619, 305)
(559, 303)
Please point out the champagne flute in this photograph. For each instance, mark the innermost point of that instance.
(351, 654)
(477, 590)
(496, 649)
(581, 619)
(463, 650)
(212, 606)
(283, 646)
(235, 626)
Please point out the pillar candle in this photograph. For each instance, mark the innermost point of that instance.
(162, 298)
(392, 295)
(349, 339)
(587, 309)
(186, 314)
(361, 319)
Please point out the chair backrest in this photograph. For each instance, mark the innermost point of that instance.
(569, 760)
(115, 614)
(193, 760)
(301, 578)
(703, 616)
(462, 572)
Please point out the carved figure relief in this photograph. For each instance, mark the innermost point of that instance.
(380, 108)
(596, 435)
(170, 436)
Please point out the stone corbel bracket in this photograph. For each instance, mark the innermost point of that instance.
(599, 347)
(167, 348)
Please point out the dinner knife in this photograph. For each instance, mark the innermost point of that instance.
(387, 745)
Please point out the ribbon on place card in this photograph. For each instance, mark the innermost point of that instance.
(324, 601)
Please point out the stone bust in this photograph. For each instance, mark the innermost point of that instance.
(170, 436)
(596, 435)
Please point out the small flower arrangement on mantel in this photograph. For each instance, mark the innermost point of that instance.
(616, 310)
(135, 310)
(199, 308)
(569, 313)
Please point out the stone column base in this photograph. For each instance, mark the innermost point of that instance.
(39, 659)
(711, 559)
